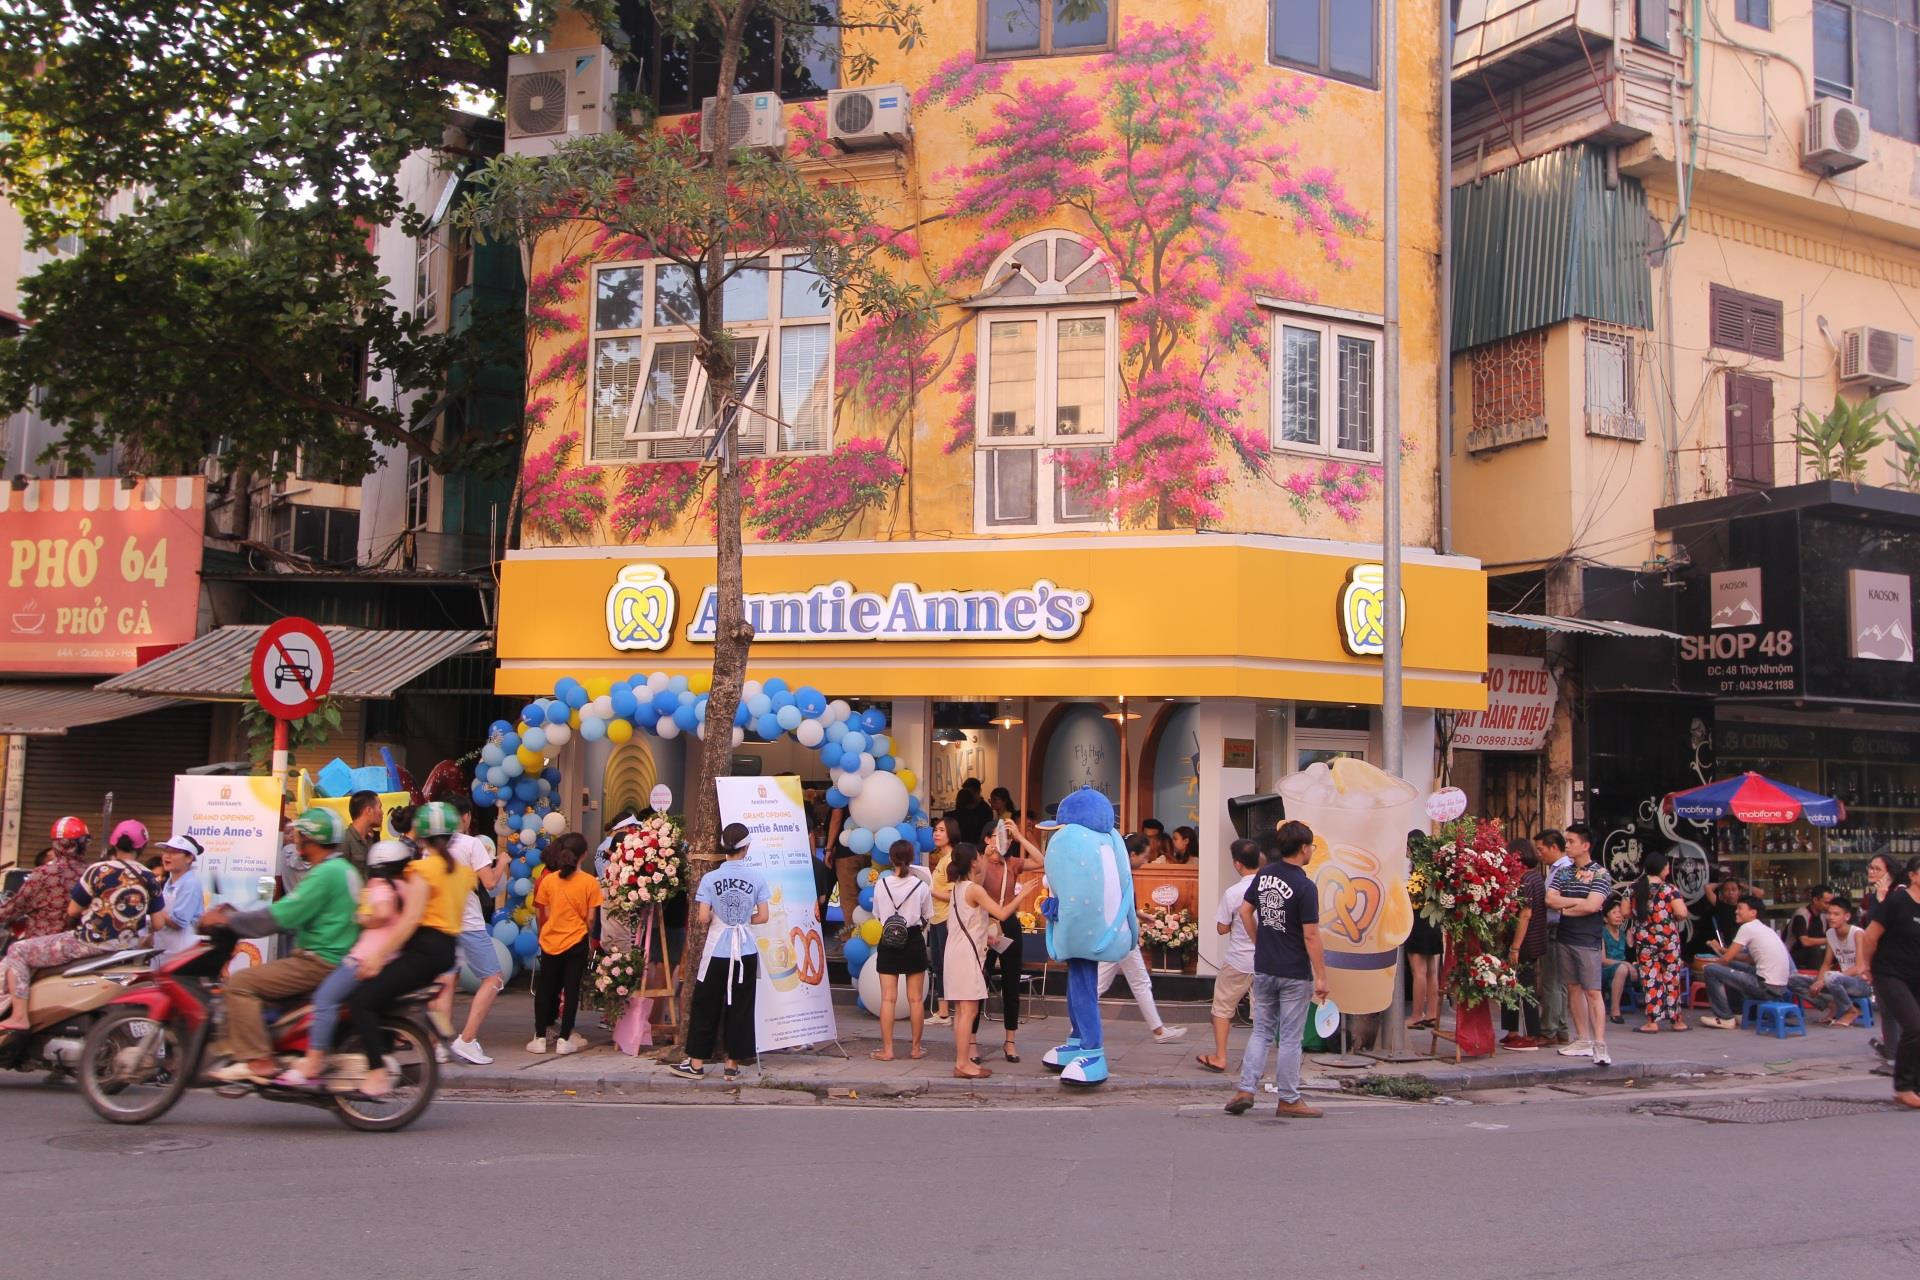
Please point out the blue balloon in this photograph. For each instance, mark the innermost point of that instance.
(885, 838)
(592, 728)
(576, 696)
(836, 799)
(522, 887)
(512, 767)
(913, 806)
(506, 930)
(742, 716)
(853, 743)
(533, 713)
(499, 729)
(856, 955)
(883, 764)
(509, 744)
(767, 727)
(788, 717)
(773, 686)
(536, 739)
(860, 840)
(678, 684)
(812, 703)
(483, 795)
(830, 754)
(526, 789)
(551, 775)
(782, 700)
(526, 944)
(836, 731)
(866, 897)
(686, 718)
(924, 838)
(760, 705)
(533, 857)
(874, 719)
(624, 703)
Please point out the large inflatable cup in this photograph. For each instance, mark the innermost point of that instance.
(1360, 818)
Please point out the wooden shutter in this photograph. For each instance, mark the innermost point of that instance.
(1738, 321)
(1651, 23)
(1749, 432)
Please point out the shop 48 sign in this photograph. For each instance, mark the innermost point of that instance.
(1735, 662)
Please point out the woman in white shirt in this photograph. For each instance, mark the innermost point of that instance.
(903, 894)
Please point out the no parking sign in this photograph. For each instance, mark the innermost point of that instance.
(292, 668)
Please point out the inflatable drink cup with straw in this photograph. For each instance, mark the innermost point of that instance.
(1360, 818)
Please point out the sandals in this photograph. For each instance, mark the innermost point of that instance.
(1218, 1069)
(1010, 1053)
(978, 1073)
(1648, 1029)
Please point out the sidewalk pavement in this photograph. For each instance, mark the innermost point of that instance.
(1138, 1062)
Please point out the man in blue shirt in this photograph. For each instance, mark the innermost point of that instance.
(1282, 913)
(175, 927)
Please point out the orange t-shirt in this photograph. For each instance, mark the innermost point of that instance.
(565, 908)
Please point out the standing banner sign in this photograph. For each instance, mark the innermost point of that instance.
(237, 821)
(793, 1005)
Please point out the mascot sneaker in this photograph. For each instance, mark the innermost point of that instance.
(1059, 1056)
(1089, 1068)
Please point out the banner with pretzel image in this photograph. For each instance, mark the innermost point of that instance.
(793, 1005)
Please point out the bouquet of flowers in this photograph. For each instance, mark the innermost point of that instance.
(616, 979)
(1168, 927)
(1468, 884)
(646, 866)
(1484, 979)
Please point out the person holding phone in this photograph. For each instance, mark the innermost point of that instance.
(1005, 862)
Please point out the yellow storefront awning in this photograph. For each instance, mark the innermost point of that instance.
(1176, 615)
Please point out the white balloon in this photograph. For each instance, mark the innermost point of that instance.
(667, 728)
(557, 735)
(748, 689)
(554, 824)
(838, 710)
(881, 745)
(657, 682)
(700, 731)
(529, 837)
(860, 916)
(739, 735)
(866, 766)
(880, 802)
(602, 707)
(869, 986)
(850, 785)
(810, 733)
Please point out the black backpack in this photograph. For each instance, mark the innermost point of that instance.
(895, 932)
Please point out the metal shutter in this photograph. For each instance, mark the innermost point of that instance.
(136, 759)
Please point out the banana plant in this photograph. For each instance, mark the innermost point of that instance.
(1906, 461)
(1839, 441)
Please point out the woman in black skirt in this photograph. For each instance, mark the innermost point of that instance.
(1424, 947)
(903, 894)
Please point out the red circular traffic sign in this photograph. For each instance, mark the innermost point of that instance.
(292, 668)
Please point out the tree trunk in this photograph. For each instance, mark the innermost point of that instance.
(733, 637)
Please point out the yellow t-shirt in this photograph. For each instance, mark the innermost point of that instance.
(566, 909)
(448, 891)
(941, 906)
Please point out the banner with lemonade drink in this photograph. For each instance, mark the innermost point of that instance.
(792, 1005)
(1360, 818)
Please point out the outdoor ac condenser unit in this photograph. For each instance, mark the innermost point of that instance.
(1836, 136)
(870, 117)
(754, 122)
(557, 95)
(1880, 359)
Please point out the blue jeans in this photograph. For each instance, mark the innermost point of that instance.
(1840, 991)
(333, 989)
(1279, 1018)
(1738, 977)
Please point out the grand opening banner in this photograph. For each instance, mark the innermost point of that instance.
(95, 571)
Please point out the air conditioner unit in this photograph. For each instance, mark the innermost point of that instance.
(1836, 136)
(557, 95)
(870, 117)
(754, 121)
(1880, 359)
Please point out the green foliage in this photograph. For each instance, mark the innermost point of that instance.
(1906, 459)
(1839, 441)
(311, 730)
(1405, 1088)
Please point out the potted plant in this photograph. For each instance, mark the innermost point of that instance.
(1838, 442)
(1174, 932)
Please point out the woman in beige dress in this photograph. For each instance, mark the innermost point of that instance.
(966, 958)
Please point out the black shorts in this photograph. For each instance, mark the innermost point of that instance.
(907, 960)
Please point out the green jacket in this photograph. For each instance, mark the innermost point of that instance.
(320, 910)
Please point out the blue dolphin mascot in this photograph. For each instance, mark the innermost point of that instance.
(1090, 919)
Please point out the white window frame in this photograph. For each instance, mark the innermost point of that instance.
(1047, 439)
(419, 493)
(429, 265)
(1623, 344)
(765, 335)
(1330, 331)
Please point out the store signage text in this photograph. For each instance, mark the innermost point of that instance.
(1520, 698)
(1880, 615)
(1752, 662)
(835, 611)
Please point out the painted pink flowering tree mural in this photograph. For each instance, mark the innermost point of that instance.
(1153, 152)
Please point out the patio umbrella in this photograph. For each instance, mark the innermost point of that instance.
(1753, 798)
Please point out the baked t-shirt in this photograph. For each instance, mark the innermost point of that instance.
(1284, 902)
(1591, 881)
(1898, 952)
(735, 891)
(1766, 952)
(1239, 950)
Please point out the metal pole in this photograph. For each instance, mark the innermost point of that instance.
(1392, 1039)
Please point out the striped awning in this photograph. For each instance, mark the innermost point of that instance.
(367, 664)
(1576, 626)
(56, 708)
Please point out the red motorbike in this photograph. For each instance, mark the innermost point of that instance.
(149, 1047)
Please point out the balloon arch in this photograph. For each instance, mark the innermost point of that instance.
(516, 772)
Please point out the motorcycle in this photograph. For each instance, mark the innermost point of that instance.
(63, 1002)
(150, 1046)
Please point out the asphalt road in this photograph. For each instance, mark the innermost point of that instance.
(1546, 1185)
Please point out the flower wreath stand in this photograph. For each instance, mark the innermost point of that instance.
(652, 1016)
(1472, 1034)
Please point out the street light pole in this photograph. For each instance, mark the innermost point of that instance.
(1392, 1040)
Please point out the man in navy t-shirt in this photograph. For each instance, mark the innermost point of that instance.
(1282, 912)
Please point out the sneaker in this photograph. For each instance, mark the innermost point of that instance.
(1296, 1110)
(470, 1051)
(1578, 1049)
(569, 1045)
(1601, 1058)
(939, 1020)
(579, 1041)
(1718, 1024)
(237, 1073)
(730, 1074)
(1165, 1034)
(1241, 1104)
(686, 1070)
(440, 1053)
(537, 1045)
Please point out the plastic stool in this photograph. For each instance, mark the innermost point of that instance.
(1865, 1005)
(1781, 1017)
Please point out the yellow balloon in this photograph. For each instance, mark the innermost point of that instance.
(521, 728)
(599, 686)
(523, 915)
(539, 871)
(700, 682)
(532, 759)
(870, 932)
(908, 778)
(573, 719)
(619, 730)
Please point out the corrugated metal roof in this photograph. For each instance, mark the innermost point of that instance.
(1546, 241)
(367, 664)
(1576, 626)
(56, 708)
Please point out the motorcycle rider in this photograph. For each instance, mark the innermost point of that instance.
(176, 927)
(110, 907)
(320, 915)
(41, 902)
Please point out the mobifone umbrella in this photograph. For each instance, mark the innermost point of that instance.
(1753, 798)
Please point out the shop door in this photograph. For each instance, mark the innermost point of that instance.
(1511, 790)
(135, 759)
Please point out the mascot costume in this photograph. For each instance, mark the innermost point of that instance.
(1090, 919)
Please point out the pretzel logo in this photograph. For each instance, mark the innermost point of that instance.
(811, 952)
(640, 608)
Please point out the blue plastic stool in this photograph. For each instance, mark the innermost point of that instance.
(1865, 1005)
(1781, 1017)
